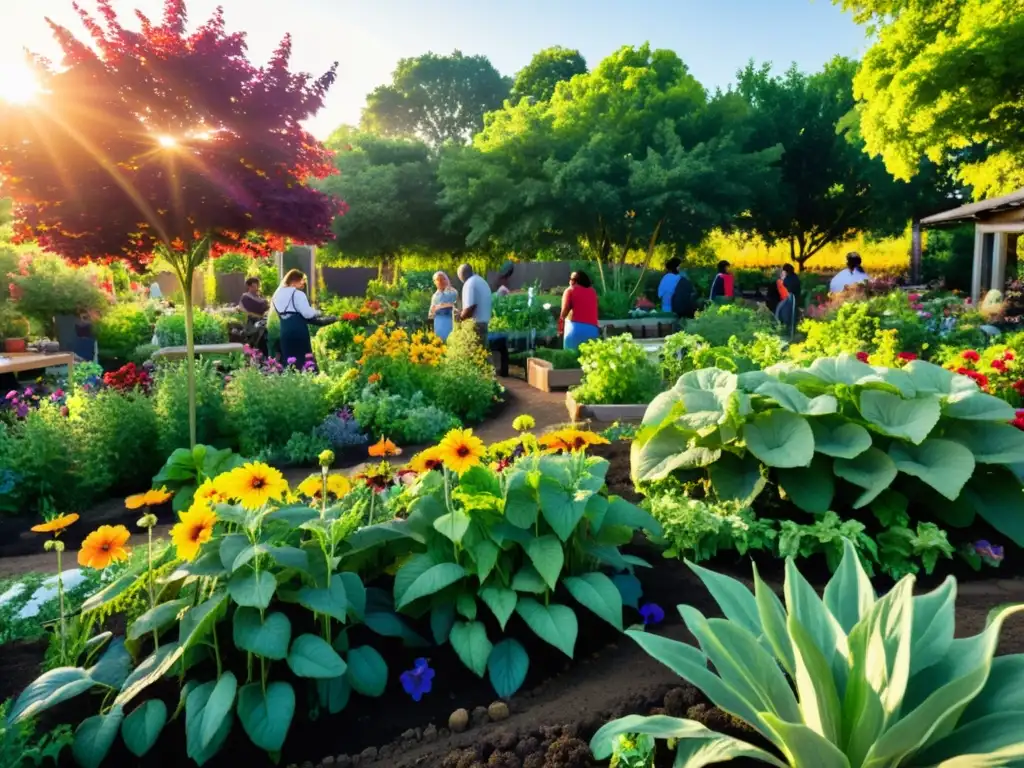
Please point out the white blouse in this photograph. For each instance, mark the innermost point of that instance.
(282, 301)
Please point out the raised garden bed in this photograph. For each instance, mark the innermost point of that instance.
(641, 328)
(603, 413)
(542, 375)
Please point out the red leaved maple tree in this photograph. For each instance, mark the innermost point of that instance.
(165, 142)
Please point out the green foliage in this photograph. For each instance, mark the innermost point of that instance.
(207, 328)
(123, 329)
(406, 420)
(466, 384)
(826, 536)
(334, 344)
(616, 370)
(511, 313)
(22, 747)
(538, 79)
(700, 530)
(683, 352)
(720, 322)
(804, 676)
(170, 400)
(560, 359)
(50, 288)
(257, 405)
(186, 469)
(303, 448)
(918, 53)
(40, 451)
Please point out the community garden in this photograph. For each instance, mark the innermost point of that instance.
(689, 541)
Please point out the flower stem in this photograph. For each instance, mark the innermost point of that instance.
(216, 652)
(152, 591)
(60, 596)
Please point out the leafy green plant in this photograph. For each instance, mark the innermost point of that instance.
(513, 313)
(409, 421)
(50, 287)
(560, 359)
(257, 404)
(21, 747)
(185, 470)
(699, 529)
(121, 330)
(170, 399)
(334, 344)
(207, 327)
(848, 680)
(721, 322)
(616, 370)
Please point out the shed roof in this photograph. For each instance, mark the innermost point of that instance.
(974, 211)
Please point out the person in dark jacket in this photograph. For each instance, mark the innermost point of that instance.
(722, 285)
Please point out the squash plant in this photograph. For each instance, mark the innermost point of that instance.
(262, 611)
(842, 431)
(523, 541)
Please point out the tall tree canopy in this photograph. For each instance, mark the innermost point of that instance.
(629, 154)
(827, 189)
(392, 189)
(943, 77)
(547, 68)
(436, 98)
(161, 141)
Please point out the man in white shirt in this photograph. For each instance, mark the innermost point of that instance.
(852, 275)
(476, 301)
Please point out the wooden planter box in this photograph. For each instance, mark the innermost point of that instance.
(541, 375)
(603, 413)
(640, 328)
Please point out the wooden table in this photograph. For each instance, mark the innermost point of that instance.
(17, 362)
(180, 353)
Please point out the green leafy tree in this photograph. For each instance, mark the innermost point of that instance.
(547, 68)
(392, 191)
(627, 155)
(945, 79)
(827, 189)
(436, 98)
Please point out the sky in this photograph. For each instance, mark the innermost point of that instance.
(367, 38)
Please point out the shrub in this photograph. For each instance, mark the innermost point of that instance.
(263, 410)
(616, 370)
(341, 431)
(207, 329)
(48, 287)
(121, 330)
(560, 359)
(40, 451)
(720, 322)
(335, 344)
(465, 384)
(887, 682)
(170, 401)
(143, 353)
(698, 529)
(406, 420)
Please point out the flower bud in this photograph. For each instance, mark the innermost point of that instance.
(326, 458)
(146, 521)
(49, 544)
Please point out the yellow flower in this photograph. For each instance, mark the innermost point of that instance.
(338, 485)
(460, 450)
(194, 529)
(424, 461)
(57, 525)
(311, 487)
(523, 423)
(326, 458)
(104, 546)
(571, 440)
(384, 447)
(209, 493)
(156, 497)
(253, 484)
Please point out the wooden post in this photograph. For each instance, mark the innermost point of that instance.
(915, 252)
(979, 250)
(999, 248)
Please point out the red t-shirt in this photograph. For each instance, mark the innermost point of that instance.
(583, 303)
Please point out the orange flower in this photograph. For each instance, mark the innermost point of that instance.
(157, 497)
(384, 448)
(104, 546)
(194, 530)
(374, 378)
(57, 525)
(135, 501)
(570, 440)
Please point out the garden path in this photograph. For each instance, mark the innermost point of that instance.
(547, 408)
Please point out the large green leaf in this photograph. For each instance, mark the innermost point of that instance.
(792, 399)
(891, 415)
(810, 488)
(207, 708)
(142, 727)
(231, 546)
(560, 507)
(849, 594)
(266, 717)
(502, 602)
(872, 470)
(332, 601)
(737, 479)
(199, 621)
(773, 624)
(151, 669)
(934, 624)
(931, 379)
(667, 451)
(48, 690)
(333, 694)
(622, 512)
(158, 618)
(804, 605)
(668, 403)
(268, 637)
(1003, 691)
(528, 580)
(555, 624)
(733, 598)
(780, 439)
(547, 557)
(990, 443)
(453, 525)
(485, 554)
(943, 464)
(838, 438)
(507, 667)
(820, 707)
(252, 589)
(995, 494)
(432, 580)
(597, 592)
(442, 619)
(844, 369)
(312, 656)
(974, 405)
(470, 642)
(367, 671)
(95, 736)
(696, 745)
(521, 507)
(804, 745)
(992, 741)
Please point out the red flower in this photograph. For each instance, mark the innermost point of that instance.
(1018, 421)
(978, 378)
(1008, 355)
(906, 357)
(970, 355)
(999, 365)
(1019, 386)
(862, 356)
(350, 316)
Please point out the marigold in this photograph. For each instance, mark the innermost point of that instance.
(384, 447)
(57, 525)
(194, 529)
(461, 450)
(427, 460)
(253, 484)
(374, 378)
(104, 546)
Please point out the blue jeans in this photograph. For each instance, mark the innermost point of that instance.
(443, 325)
(577, 333)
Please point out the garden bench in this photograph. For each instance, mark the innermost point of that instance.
(179, 353)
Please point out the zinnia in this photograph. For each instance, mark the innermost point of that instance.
(194, 530)
(461, 450)
(104, 546)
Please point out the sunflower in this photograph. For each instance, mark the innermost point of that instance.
(157, 497)
(209, 493)
(194, 530)
(460, 450)
(104, 546)
(384, 447)
(311, 487)
(424, 461)
(338, 485)
(253, 484)
(57, 525)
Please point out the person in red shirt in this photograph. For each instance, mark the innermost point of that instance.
(578, 321)
(722, 285)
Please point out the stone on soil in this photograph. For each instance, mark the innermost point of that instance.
(458, 721)
(498, 711)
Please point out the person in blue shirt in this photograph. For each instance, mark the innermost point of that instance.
(668, 284)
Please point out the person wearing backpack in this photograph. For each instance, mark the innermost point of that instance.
(684, 298)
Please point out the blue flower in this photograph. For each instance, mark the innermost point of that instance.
(418, 680)
(652, 614)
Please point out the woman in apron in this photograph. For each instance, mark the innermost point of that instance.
(442, 305)
(293, 308)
